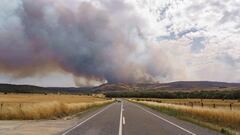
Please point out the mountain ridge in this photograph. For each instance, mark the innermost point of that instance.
(123, 87)
(179, 85)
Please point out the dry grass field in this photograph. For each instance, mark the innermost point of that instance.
(204, 103)
(221, 119)
(36, 98)
(37, 106)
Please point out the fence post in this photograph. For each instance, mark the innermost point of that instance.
(230, 105)
(202, 104)
(191, 104)
(1, 106)
(159, 101)
(214, 105)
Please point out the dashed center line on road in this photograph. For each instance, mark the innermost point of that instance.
(124, 120)
(121, 119)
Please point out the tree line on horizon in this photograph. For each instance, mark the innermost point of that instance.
(233, 94)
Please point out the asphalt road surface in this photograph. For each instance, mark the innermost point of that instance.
(126, 118)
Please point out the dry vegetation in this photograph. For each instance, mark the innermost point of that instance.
(225, 120)
(204, 103)
(36, 106)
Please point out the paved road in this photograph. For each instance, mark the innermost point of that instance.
(127, 118)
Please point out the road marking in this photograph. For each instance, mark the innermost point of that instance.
(166, 120)
(121, 120)
(86, 120)
(124, 120)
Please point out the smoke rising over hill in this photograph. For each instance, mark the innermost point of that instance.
(95, 41)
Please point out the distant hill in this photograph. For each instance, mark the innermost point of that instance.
(11, 88)
(113, 87)
(124, 87)
(173, 86)
(198, 85)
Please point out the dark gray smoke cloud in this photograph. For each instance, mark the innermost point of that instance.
(100, 40)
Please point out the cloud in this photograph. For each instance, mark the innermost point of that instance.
(205, 34)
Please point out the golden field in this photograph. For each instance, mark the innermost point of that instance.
(37, 106)
(225, 120)
(205, 103)
(36, 98)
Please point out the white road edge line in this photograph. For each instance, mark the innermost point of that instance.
(124, 120)
(167, 121)
(86, 120)
(121, 119)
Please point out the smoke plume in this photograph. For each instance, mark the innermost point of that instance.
(95, 41)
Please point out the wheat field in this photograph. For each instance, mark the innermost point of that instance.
(37, 106)
(229, 119)
(204, 103)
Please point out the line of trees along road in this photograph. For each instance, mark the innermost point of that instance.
(196, 94)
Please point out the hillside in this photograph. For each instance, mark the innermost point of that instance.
(124, 87)
(173, 86)
(11, 88)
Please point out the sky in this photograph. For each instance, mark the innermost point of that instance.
(91, 42)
